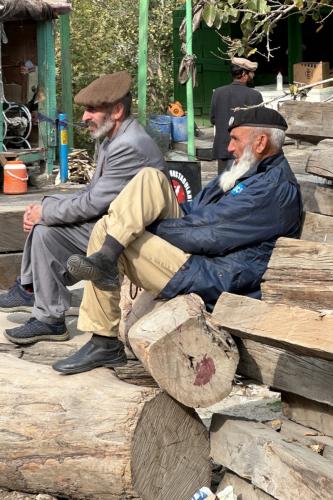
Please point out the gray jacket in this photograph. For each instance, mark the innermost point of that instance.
(119, 159)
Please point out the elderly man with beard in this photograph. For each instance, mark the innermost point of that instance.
(221, 241)
(61, 225)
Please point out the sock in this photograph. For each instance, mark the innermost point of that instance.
(111, 248)
(103, 341)
(28, 288)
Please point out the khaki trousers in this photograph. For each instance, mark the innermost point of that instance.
(148, 261)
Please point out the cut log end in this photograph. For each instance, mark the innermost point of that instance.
(171, 463)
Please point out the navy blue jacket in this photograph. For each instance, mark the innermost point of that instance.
(231, 235)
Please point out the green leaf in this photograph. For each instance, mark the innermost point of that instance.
(251, 52)
(209, 14)
(218, 20)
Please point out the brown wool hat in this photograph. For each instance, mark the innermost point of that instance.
(244, 63)
(107, 89)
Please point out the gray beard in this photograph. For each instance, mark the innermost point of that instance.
(104, 129)
(229, 178)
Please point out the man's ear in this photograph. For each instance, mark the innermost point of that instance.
(117, 111)
(262, 143)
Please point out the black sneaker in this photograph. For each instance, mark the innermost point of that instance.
(17, 299)
(96, 268)
(34, 331)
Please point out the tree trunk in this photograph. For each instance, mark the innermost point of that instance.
(185, 353)
(91, 436)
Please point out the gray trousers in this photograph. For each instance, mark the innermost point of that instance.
(45, 254)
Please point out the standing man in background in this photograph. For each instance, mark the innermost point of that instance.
(225, 99)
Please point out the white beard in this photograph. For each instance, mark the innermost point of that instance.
(237, 170)
(104, 129)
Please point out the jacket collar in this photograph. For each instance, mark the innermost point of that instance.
(263, 165)
(123, 127)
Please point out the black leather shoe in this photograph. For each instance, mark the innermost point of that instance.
(96, 268)
(92, 355)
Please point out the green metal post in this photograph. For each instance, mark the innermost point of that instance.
(189, 85)
(295, 51)
(66, 75)
(143, 61)
(1, 95)
(47, 89)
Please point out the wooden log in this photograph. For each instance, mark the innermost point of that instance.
(317, 227)
(286, 371)
(284, 470)
(299, 330)
(300, 273)
(311, 121)
(243, 489)
(134, 442)
(10, 268)
(320, 161)
(309, 413)
(317, 198)
(187, 356)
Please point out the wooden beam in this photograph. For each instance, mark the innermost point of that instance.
(317, 227)
(284, 370)
(300, 273)
(311, 121)
(243, 489)
(320, 161)
(280, 468)
(317, 198)
(299, 330)
(310, 413)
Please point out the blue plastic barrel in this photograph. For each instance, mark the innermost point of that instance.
(179, 128)
(159, 128)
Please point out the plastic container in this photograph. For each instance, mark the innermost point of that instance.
(15, 177)
(159, 128)
(179, 128)
(279, 81)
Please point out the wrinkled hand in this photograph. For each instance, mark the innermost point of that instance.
(32, 216)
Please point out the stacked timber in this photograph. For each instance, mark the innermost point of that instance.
(285, 342)
(290, 349)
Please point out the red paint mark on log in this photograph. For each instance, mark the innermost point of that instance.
(205, 370)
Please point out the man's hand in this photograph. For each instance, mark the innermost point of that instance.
(32, 216)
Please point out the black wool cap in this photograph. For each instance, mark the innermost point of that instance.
(257, 117)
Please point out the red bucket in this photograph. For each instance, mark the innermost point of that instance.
(15, 177)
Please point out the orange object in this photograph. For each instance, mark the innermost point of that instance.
(176, 109)
(15, 177)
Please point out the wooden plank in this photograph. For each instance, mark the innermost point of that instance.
(244, 490)
(286, 371)
(308, 120)
(10, 268)
(317, 227)
(11, 230)
(306, 437)
(318, 416)
(317, 198)
(284, 470)
(300, 273)
(320, 161)
(299, 330)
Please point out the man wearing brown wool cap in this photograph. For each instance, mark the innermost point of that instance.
(61, 225)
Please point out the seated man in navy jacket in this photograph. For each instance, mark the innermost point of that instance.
(221, 241)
